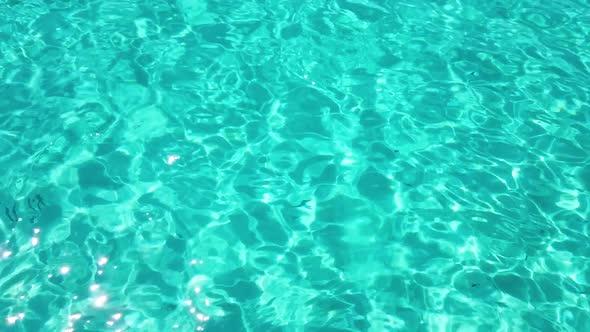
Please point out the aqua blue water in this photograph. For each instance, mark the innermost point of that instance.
(296, 166)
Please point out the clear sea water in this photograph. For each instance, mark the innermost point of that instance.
(296, 166)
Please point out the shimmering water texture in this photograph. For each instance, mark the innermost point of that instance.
(297, 166)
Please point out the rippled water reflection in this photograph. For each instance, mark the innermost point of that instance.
(340, 165)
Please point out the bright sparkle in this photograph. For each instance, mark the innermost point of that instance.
(172, 159)
(515, 172)
(100, 301)
(64, 270)
(11, 320)
(102, 261)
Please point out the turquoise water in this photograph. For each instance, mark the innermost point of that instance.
(297, 166)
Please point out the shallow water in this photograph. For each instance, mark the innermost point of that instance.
(337, 165)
